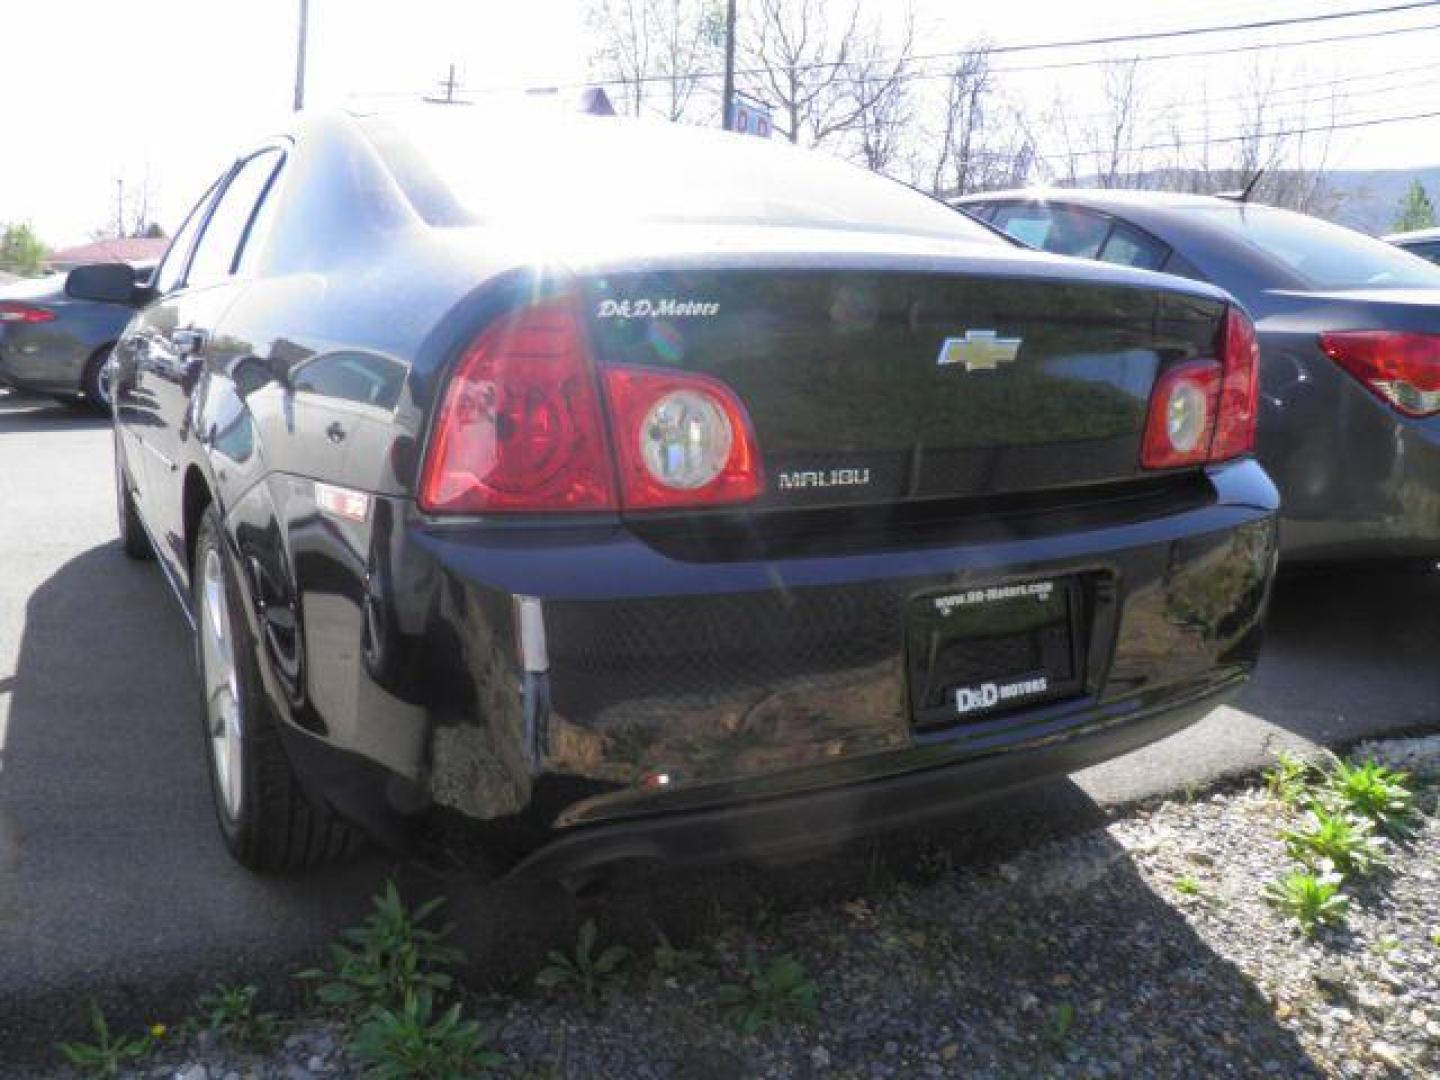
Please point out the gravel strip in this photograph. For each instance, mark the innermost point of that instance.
(1141, 949)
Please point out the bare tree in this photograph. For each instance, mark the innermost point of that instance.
(878, 88)
(656, 52)
(795, 56)
(1114, 135)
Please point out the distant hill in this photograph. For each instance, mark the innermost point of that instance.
(1370, 198)
(1364, 199)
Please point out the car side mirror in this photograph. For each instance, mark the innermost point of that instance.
(252, 373)
(108, 283)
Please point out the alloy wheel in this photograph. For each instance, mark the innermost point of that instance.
(221, 683)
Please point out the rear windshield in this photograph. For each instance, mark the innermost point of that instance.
(1326, 256)
(486, 169)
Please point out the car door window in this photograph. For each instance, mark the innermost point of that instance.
(1063, 230)
(171, 270)
(1425, 251)
(219, 246)
(1128, 246)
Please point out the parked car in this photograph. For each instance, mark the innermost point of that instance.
(636, 490)
(1422, 242)
(54, 343)
(1349, 333)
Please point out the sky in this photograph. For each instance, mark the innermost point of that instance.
(172, 89)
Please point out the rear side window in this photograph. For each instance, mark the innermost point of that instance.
(172, 268)
(219, 247)
(1062, 230)
(1429, 252)
(1325, 256)
(1128, 246)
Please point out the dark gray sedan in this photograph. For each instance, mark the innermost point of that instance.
(1422, 242)
(1349, 332)
(56, 344)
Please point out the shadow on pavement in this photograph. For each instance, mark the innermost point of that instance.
(113, 882)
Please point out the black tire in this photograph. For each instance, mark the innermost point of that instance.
(277, 826)
(133, 540)
(93, 383)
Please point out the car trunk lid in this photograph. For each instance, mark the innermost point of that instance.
(873, 387)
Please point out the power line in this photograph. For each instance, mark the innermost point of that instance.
(1193, 31)
(1233, 50)
(1257, 135)
(1081, 43)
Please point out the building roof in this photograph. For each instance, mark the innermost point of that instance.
(124, 250)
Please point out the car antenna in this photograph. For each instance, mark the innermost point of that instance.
(1243, 195)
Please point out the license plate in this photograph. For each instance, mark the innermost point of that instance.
(979, 652)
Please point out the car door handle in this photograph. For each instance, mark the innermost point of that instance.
(187, 340)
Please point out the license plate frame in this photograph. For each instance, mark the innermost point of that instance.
(981, 652)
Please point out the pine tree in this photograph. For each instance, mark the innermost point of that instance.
(1416, 210)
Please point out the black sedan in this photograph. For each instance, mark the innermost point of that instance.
(1349, 332)
(572, 489)
(54, 343)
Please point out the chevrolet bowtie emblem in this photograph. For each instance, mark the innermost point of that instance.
(979, 350)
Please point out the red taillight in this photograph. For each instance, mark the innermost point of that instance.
(520, 427)
(1239, 390)
(1205, 411)
(1181, 425)
(681, 440)
(1401, 369)
(12, 311)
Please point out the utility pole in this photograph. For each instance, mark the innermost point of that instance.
(119, 207)
(729, 91)
(300, 55)
(449, 84)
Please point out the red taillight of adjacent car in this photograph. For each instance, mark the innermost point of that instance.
(520, 427)
(681, 440)
(523, 429)
(1204, 411)
(1401, 369)
(12, 311)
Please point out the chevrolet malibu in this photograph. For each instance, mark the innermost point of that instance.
(546, 491)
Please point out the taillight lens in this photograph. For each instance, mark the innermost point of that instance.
(520, 427)
(1401, 369)
(1239, 389)
(681, 440)
(1181, 426)
(1205, 411)
(12, 311)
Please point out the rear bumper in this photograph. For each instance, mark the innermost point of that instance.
(39, 365)
(549, 684)
(826, 817)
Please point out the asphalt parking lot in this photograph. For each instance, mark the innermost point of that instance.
(113, 883)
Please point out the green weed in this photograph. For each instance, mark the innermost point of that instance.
(1346, 842)
(1382, 796)
(1312, 900)
(109, 1052)
(229, 1012)
(777, 993)
(389, 959)
(412, 1043)
(590, 974)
